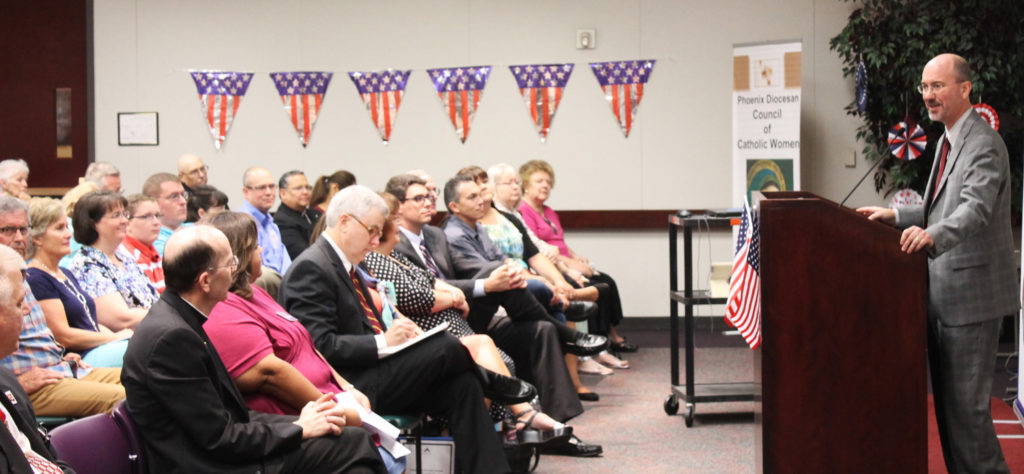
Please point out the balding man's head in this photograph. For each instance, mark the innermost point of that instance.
(259, 188)
(191, 170)
(946, 88)
(13, 307)
(190, 252)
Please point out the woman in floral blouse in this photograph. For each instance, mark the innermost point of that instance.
(121, 290)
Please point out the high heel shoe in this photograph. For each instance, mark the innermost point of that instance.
(531, 435)
(504, 389)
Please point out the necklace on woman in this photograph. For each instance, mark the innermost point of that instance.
(59, 276)
(56, 274)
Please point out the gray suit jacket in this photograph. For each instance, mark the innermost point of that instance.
(447, 261)
(972, 273)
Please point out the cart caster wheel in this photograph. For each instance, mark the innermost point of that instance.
(671, 405)
(688, 417)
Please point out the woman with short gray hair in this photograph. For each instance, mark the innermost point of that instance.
(14, 178)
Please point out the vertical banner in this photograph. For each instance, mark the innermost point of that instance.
(541, 87)
(460, 89)
(302, 94)
(220, 94)
(766, 118)
(381, 92)
(623, 84)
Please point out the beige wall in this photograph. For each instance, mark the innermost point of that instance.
(678, 155)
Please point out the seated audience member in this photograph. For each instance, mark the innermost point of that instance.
(508, 192)
(436, 375)
(117, 284)
(104, 175)
(143, 229)
(70, 311)
(260, 192)
(69, 200)
(14, 178)
(326, 186)
(58, 383)
(430, 301)
(192, 172)
(204, 199)
(191, 414)
(529, 335)
(431, 189)
(268, 353)
(23, 447)
(294, 217)
(170, 196)
(538, 179)
(509, 237)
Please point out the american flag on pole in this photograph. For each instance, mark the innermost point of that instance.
(302, 94)
(743, 308)
(541, 87)
(382, 94)
(459, 89)
(220, 93)
(623, 84)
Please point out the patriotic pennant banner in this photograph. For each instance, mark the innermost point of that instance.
(743, 308)
(382, 94)
(623, 85)
(302, 94)
(541, 87)
(989, 114)
(907, 143)
(220, 93)
(460, 89)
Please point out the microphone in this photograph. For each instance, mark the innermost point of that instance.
(880, 160)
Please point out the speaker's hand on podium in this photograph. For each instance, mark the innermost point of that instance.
(915, 238)
(875, 213)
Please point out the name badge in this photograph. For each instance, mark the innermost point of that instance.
(286, 316)
(10, 396)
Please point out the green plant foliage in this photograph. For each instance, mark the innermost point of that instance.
(895, 38)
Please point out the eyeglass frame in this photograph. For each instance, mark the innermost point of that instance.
(923, 88)
(8, 231)
(234, 264)
(205, 169)
(263, 188)
(156, 216)
(371, 231)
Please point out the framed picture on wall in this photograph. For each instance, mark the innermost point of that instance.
(138, 129)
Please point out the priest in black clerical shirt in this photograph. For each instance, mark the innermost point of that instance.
(294, 216)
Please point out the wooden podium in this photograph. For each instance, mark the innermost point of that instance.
(840, 375)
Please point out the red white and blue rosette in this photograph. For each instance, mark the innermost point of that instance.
(907, 144)
(906, 198)
(989, 114)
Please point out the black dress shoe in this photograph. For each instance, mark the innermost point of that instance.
(624, 347)
(586, 344)
(574, 447)
(504, 389)
(588, 396)
(580, 310)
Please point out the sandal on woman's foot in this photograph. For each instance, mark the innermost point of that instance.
(606, 359)
(530, 435)
(591, 366)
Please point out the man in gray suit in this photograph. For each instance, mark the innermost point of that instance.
(964, 225)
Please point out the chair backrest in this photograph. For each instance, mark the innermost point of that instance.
(136, 446)
(101, 444)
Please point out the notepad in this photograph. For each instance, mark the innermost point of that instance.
(391, 350)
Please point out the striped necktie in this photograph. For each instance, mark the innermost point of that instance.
(431, 266)
(378, 328)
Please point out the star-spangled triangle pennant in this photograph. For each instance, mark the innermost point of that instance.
(541, 87)
(302, 94)
(459, 89)
(220, 94)
(381, 92)
(623, 84)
